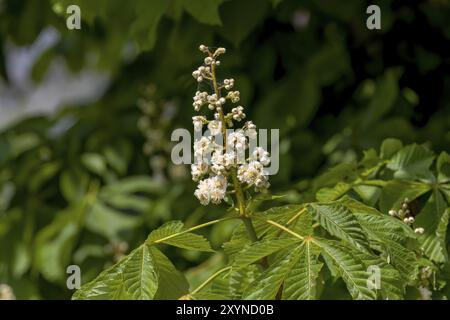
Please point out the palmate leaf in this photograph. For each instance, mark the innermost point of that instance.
(143, 275)
(301, 282)
(340, 222)
(171, 233)
(283, 214)
(280, 215)
(351, 268)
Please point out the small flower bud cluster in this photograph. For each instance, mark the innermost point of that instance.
(228, 84)
(204, 72)
(234, 96)
(404, 214)
(214, 163)
(238, 113)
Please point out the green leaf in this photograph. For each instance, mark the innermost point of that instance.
(389, 147)
(240, 278)
(94, 163)
(241, 17)
(144, 274)
(411, 162)
(334, 193)
(434, 220)
(352, 270)
(171, 283)
(131, 185)
(205, 11)
(140, 279)
(171, 233)
(266, 286)
(339, 221)
(108, 285)
(46, 172)
(390, 282)
(301, 283)
(443, 167)
(145, 26)
(73, 185)
(260, 249)
(54, 243)
(368, 194)
(388, 235)
(384, 98)
(396, 191)
(108, 222)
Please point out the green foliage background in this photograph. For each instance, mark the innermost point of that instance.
(332, 87)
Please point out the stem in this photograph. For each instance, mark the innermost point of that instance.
(250, 229)
(211, 278)
(203, 225)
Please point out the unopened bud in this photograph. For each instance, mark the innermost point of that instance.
(419, 230)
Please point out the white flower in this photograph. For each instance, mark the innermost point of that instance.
(262, 183)
(261, 155)
(211, 190)
(203, 192)
(215, 174)
(237, 141)
(198, 122)
(215, 127)
(221, 163)
(199, 170)
(202, 147)
(249, 125)
(254, 174)
(218, 163)
(219, 186)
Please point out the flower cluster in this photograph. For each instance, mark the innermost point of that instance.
(222, 154)
(154, 123)
(404, 214)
